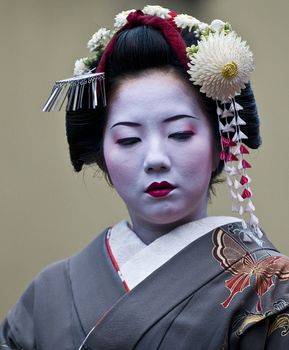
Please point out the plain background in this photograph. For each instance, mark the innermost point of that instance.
(49, 212)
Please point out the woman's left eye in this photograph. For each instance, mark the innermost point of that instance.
(181, 135)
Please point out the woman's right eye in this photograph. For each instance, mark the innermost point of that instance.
(128, 141)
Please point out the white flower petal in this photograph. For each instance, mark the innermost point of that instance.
(120, 19)
(217, 25)
(186, 22)
(156, 10)
(99, 40)
(80, 67)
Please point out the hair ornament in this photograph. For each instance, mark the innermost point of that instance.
(156, 10)
(72, 90)
(99, 41)
(188, 22)
(221, 64)
(121, 19)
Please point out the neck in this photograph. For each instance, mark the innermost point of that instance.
(148, 232)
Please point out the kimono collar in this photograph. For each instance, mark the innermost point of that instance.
(137, 260)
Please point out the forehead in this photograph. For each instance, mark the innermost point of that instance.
(156, 94)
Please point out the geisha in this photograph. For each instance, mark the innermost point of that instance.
(175, 110)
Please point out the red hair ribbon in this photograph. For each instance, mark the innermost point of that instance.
(138, 18)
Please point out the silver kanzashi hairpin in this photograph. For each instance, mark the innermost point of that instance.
(72, 90)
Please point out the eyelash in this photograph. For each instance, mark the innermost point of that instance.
(180, 136)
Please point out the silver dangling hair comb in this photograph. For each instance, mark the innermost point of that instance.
(72, 90)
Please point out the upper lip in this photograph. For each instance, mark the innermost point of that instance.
(159, 186)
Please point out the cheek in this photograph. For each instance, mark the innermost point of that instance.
(110, 159)
(120, 166)
(198, 160)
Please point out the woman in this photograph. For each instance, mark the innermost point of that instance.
(174, 278)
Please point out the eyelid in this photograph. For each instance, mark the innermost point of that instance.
(185, 132)
(182, 135)
(127, 141)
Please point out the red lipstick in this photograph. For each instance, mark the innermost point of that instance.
(159, 189)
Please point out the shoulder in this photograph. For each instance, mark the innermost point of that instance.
(21, 318)
(258, 270)
(47, 301)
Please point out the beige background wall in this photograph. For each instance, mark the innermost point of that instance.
(49, 212)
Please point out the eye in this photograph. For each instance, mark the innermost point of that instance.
(128, 141)
(182, 135)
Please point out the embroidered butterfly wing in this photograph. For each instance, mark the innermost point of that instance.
(234, 258)
(268, 267)
(237, 260)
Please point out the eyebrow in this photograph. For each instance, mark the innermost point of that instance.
(170, 119)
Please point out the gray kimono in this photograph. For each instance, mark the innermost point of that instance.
(219, 292)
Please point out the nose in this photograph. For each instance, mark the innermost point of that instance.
(156, 158)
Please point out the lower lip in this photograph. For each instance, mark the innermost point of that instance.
(160, 193)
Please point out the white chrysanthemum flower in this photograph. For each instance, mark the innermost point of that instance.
(120, 19)
(186, 22)
(80, 67)
(217, 25)
(222, 66)
(99, 40)
(156, 10)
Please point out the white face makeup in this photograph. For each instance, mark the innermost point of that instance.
(159, 151)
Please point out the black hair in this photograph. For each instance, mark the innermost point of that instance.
(136, 52)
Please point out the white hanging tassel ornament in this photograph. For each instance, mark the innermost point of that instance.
(237, 150)
(240, 198)
(229, 181)
(239, 135)
(219, 110)
(227, 168)
(235, 107)
(234, 150)
(254, 221)
(240, 165)
(228, 128)
(234, 171)
(250, 207)
(221, 126)
(233, 195)
(240, 121)
(245, 226)
(237, 184)
(227, 113)
(241, 210)
(234, 207)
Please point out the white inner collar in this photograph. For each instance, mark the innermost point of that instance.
(137, 260)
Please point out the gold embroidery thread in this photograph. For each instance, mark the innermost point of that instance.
(281, 321)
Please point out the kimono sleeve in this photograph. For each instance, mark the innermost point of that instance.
(278, 332)
(271, 333)
(17, 330)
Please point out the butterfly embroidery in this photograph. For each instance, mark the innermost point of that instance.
(245, 268)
